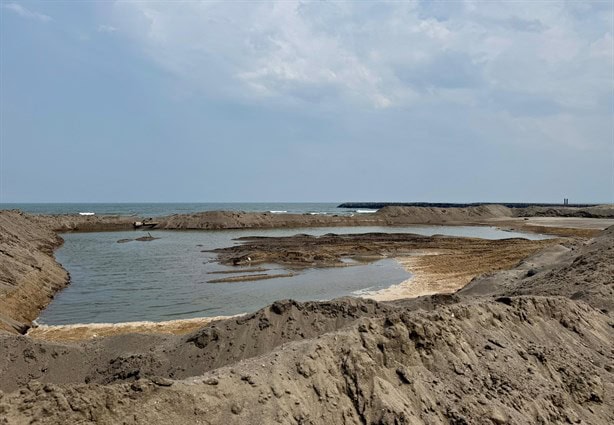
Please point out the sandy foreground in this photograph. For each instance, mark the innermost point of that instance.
(525, 336)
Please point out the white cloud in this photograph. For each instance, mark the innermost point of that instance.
(603, 47)
(292, 54)
(26, 13)
(530, 59)
(433, 29)
(106, 28)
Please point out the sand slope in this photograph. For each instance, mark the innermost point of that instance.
(518, 360)
(29, 275)
(582, 272)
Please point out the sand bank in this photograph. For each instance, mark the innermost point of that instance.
(388, 216)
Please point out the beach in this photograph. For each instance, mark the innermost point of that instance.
(439, 346)
(306, 212)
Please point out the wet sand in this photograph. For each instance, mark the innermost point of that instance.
(80, 332)
(425, 280)
(438, 264)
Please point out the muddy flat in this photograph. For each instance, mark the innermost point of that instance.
(250, 270)
(250, 277)
(563, 222)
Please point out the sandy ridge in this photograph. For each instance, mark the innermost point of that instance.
(29, 275)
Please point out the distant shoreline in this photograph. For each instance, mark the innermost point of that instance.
(378, 205)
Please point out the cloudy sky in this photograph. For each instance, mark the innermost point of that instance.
(106, 101)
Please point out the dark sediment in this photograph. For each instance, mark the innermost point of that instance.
(248, 270)
(330, 249)
(250, 278)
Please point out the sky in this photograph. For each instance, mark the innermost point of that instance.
(290, 101)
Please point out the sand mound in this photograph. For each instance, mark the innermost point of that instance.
(505, 361)
(29, 276)
(600, 211)
(582, 272)
(212, 220)
(391, 215)
(224, 342)
(432, 215)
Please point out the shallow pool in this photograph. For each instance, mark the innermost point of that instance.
(166, 279)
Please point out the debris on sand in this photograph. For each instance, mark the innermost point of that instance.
(147, 238)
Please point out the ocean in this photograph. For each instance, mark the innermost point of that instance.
(151, 209)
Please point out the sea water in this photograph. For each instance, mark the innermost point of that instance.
(167, 278)
(163, 209)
